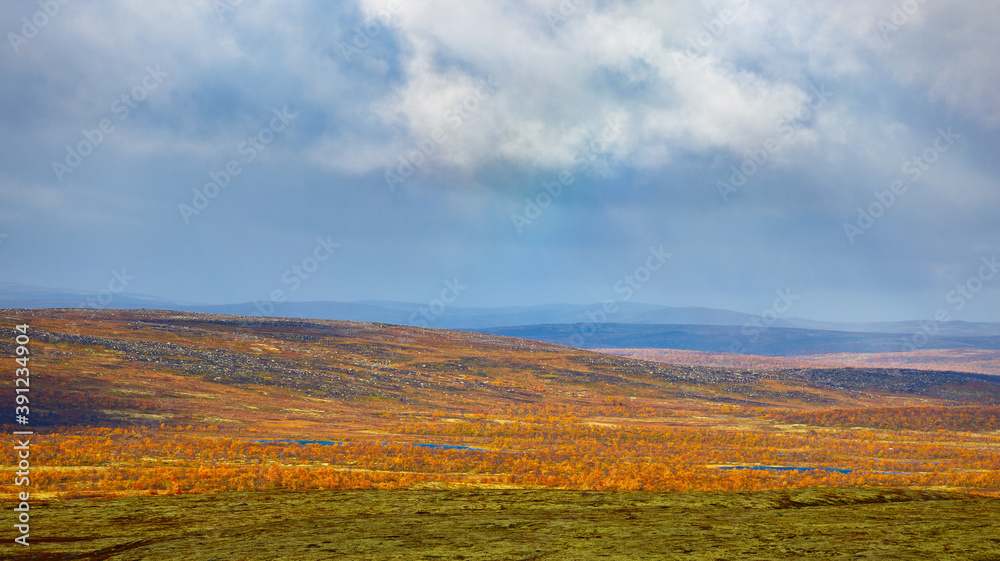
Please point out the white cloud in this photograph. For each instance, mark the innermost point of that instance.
(945, 49)
(559, 85)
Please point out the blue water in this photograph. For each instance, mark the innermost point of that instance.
(787, 468)
(320, 442)
(800, 469)
(450, 447)
(469, 448)
(340, 443)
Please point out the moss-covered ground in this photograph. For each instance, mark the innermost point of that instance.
(519, 524)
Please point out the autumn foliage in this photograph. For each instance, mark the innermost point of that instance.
(126, 402)
(526, 447)
(913, 418)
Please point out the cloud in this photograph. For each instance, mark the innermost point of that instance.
(649, 104)
(559, 80)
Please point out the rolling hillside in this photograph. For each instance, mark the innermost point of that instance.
(234, 416)
(152, 366)
(977, 361)
(774, 341)
(16, 295)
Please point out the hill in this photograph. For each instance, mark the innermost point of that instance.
(157, 366)
(960, 360)
(128, 406)
(774, 341)
(453, 316)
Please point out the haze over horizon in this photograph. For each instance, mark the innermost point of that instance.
(701, 153)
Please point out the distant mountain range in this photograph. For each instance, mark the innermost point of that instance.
(777, 341)
(14, 295)
(633, 325)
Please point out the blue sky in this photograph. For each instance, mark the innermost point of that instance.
(534, 150)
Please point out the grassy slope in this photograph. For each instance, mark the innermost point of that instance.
(498, 525)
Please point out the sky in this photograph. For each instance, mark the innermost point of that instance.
(835, 161)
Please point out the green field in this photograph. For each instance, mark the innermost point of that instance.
(519, 524)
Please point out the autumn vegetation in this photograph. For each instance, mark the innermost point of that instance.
(958, 419)
(530, 448)
(151, 404)
(982, 361)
